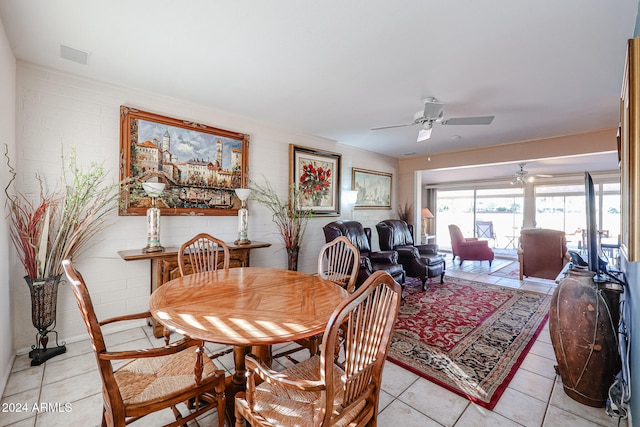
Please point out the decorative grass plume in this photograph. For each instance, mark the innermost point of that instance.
(291, 221)
(62, 223)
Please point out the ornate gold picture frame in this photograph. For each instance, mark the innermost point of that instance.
(200, 165)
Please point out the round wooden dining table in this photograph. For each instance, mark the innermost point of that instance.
(245, 307)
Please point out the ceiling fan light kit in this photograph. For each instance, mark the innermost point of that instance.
(433, 112)
(424, 134)
(518, 180)
(522, 176)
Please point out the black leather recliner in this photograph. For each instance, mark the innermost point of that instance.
(369, 261)
(421, 261)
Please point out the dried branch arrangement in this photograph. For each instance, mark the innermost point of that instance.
(291, 222)
(404, 212)
(63, 222)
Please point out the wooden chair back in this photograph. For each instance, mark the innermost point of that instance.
(367, 321)
(123, 407)
(338, 262)
(110, 390)
(317, 391)
(202, 253)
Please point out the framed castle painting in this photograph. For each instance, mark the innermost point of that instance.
(201, 166)
(316, 175)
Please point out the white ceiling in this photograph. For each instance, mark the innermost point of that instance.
(338, 68)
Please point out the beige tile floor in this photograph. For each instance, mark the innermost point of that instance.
(534, 396)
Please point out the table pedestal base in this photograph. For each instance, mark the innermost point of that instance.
(238, 381)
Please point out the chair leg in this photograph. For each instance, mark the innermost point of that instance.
(442, 277)
(177, 414)
(239, 417)
(221, 399)
(239, 421)
(314, 346)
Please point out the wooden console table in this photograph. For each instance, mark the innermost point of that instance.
(164, 265)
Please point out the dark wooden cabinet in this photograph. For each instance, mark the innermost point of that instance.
(164, 265)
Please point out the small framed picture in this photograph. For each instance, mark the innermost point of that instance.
(374, 189)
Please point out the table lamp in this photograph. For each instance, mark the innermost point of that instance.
(243, 217)
(426, 215)
(153, 190)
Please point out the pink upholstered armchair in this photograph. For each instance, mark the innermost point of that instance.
(469, 248)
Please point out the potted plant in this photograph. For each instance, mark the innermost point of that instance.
(60, 225)
(291, 221)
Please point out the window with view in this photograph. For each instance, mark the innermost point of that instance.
(562, 207)
(476, 211)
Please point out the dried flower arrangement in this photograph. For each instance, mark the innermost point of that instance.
(63, 222)
(291, 222)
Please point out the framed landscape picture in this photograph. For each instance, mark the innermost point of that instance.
(316, 175)
(374, 189)
(201, 166)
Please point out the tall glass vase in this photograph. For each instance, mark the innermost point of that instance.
(44, 300)
(292, 258)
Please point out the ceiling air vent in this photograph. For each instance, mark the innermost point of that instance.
(74, 55)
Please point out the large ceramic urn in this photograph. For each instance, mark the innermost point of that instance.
(583, 337)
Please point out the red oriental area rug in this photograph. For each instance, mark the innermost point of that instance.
(468, 337)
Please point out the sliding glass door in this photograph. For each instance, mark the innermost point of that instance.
(494, 214)
(563, 207)
(550, 204)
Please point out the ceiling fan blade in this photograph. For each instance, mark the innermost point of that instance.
(433, 110)
(482, 120)
(393, 126)
(540, 175)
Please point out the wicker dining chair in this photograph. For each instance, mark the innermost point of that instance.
(202, 253)
(338, 262)
(154, 379)
(318, 392)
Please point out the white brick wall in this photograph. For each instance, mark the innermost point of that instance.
(57, 111)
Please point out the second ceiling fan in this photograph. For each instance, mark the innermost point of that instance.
(434, 113)
(521, 177)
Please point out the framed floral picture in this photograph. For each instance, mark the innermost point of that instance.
(316, 175)
(374, 189)
(199, 165)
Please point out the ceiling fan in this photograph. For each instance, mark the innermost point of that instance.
(522, 176)
(434, 113)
